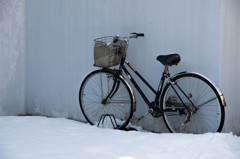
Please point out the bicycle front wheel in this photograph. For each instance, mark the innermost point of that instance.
(117, 111)
(191, 104)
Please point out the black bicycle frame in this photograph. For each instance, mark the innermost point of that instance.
(157, 93)
(152, 104)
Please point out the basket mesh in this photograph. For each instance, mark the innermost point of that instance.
(108, 53)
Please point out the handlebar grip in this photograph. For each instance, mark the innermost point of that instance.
(136, 35)
(139, 34)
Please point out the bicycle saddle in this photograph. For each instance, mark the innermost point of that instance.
(171, 59)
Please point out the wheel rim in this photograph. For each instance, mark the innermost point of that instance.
(207, 115)
(118, 109)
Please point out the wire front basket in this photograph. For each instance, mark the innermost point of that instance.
(109, 50)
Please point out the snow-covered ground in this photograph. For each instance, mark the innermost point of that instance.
(51, 138)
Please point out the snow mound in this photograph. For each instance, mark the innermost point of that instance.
(54, 138)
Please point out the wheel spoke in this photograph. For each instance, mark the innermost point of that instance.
(207, 115)
(204, 103)
(97, 86)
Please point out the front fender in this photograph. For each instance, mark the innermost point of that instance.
(132, 93)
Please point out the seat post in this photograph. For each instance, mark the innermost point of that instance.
(165, 69)
(160, 86)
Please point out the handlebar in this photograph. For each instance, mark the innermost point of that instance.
(136, 35)
(133, 35)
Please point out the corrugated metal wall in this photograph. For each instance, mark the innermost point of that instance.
(60, 45)
(229, 78)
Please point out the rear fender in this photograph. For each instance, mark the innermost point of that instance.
(222, 99)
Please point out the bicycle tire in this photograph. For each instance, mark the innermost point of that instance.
(117, 112)
(209, 115)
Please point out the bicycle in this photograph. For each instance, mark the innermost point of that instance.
(188, 102)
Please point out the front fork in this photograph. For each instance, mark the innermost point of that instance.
(114, 88)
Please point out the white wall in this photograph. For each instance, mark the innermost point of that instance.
(12, 60)
(230, 62)
(60, 46)
(58, 56)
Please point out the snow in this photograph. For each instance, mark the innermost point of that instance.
(54, 138)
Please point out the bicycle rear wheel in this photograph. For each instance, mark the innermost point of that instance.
(191, 104)
(117, 111)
